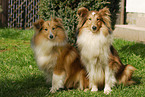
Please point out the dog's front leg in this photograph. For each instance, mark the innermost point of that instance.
(57, 81)
(92, 78)
(109, 80)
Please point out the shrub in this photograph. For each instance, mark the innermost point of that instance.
(67, 9)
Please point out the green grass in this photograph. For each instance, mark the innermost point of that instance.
(20, 76)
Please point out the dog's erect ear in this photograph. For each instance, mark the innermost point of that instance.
(38, 24)
(104, 12)
(82, 12)
(59, 20)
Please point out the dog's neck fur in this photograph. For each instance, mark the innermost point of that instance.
(48, 47)
(98, 40)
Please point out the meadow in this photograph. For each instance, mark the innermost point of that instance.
(20, 76)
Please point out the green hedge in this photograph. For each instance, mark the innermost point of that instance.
(67, 9)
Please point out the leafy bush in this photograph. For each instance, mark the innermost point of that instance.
(67, 9)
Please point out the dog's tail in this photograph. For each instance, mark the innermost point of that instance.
(123, 72)
(126, 76)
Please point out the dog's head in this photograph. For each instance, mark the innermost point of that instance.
(52, 30)
(94, 20)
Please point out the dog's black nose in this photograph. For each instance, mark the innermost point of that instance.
(94, 27)
(51, 36)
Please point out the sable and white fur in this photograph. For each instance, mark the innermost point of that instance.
(59, 60)
(95, 44)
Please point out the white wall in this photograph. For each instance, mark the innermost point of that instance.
(135, 6)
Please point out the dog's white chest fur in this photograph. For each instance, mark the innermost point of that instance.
(44, 58)
(94, 45)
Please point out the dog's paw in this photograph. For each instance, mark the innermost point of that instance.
(86, 90)
(107, 91)
(94, 89)
(53, 90)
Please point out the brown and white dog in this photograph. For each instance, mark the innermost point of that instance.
(59, 60)
(99, 57)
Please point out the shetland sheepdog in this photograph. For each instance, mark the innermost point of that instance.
(99, 57)
(59, 60)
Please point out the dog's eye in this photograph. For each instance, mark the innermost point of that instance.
(45, 29)
(53, 28)
(98, 19)
(90, 19)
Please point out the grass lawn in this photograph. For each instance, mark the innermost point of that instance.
(20, 76)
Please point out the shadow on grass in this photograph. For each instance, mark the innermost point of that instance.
(137, 49)
(34, 87)
(31, 86)
(137, 80)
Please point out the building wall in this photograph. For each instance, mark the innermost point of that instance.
(135, 6)
(135, 12)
